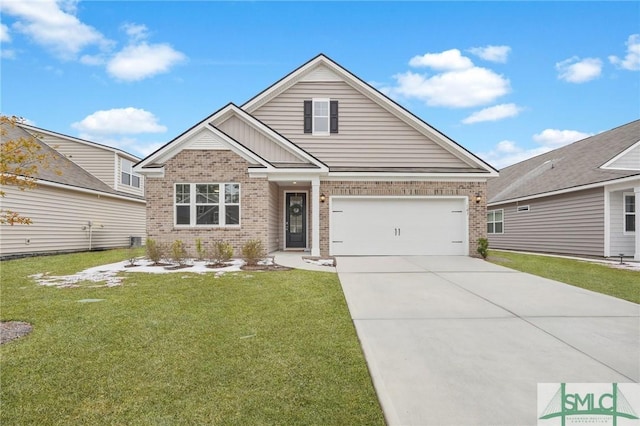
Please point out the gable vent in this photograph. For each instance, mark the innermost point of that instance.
(321, 73)
(205, 140)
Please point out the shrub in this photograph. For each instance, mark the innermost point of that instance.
(222, 252)
(155, 251)
(252, 252)
(200, 250)
(132, 256)
(483, 247)
(178, 252)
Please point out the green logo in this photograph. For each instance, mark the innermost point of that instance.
(587, 403)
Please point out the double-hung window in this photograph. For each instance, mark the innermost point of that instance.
(207, 204)
(629, 213)
(321, 116)
(495, 221)
(126, 176)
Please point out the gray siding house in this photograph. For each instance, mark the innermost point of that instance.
(319, 162)
(581, 199)
(94, 202)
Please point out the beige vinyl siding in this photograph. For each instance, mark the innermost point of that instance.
(257, 142)
(59, 215)
(99, 162)
(570, 223)
(619, 241)
(369, 135)
(274, 223)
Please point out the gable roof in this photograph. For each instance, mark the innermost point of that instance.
(217, 138)
(70, 174)
(321, 66)
(570, 167)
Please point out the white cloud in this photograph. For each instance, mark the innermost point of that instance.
(447, 60)
(506, 152)
(494, 113)
(575, 70)
(136, 32)
(631, 61)
(53, 25)
(118, 121)
(492, 53)
(458, 89)
(556, 138)
(137, 62)
(5, 37)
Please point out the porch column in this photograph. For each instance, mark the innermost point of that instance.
(636, 191)
(315, 217)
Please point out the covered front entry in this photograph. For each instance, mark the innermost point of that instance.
(295, 220)
(399, 226)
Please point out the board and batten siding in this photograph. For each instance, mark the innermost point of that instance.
(619, 241)
(571, 223)
(368, 136)
(257, 142)
(99, 162)
(59, 216)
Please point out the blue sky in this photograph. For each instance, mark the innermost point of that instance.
(507, 80)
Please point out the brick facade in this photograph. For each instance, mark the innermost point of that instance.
(477, 211)
(210, 166)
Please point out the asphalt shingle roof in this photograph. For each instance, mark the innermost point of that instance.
(573, 165)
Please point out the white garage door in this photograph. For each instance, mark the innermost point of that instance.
(398, 226)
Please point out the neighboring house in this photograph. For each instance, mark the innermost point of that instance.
(320, 161)
(581, 199)
(95, 202)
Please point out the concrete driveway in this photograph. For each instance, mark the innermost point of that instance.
(460, 341)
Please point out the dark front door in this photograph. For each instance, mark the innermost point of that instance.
(296, 220)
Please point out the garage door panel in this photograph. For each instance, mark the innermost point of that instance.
(398, 226)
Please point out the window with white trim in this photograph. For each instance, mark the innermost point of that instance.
(629, 213)
(495, 221)
(127, 177)
(321, 116)
(207, 204)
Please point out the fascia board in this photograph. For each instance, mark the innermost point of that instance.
(33, 129)
(566, 190)
(607, 165)
(442, 177)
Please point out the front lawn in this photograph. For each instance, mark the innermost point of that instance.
(245, 348)
(623, 284)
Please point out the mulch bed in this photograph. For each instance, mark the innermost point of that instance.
(11, 330)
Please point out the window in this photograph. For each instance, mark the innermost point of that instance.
(126, 176)
(629, 213)
(495, 221)
(207, 204)
(321, 116)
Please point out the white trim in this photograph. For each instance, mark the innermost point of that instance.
(607, 222)
(397, 176)
(607, 165)
(636, 191)
(625, 213)
(193, 204)
(494, 222)
(315, 132)
(284, 218)
(566, 190)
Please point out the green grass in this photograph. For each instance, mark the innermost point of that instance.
(623, 284)
(246, 348)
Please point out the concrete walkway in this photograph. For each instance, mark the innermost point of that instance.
(460, 341)
(296, 259)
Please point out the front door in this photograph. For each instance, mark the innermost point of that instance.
(296, 220)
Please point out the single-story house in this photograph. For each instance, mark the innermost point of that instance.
(581, 199)
(88, 198)
(320, 162)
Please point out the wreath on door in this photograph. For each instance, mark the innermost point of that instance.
(295, 210)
